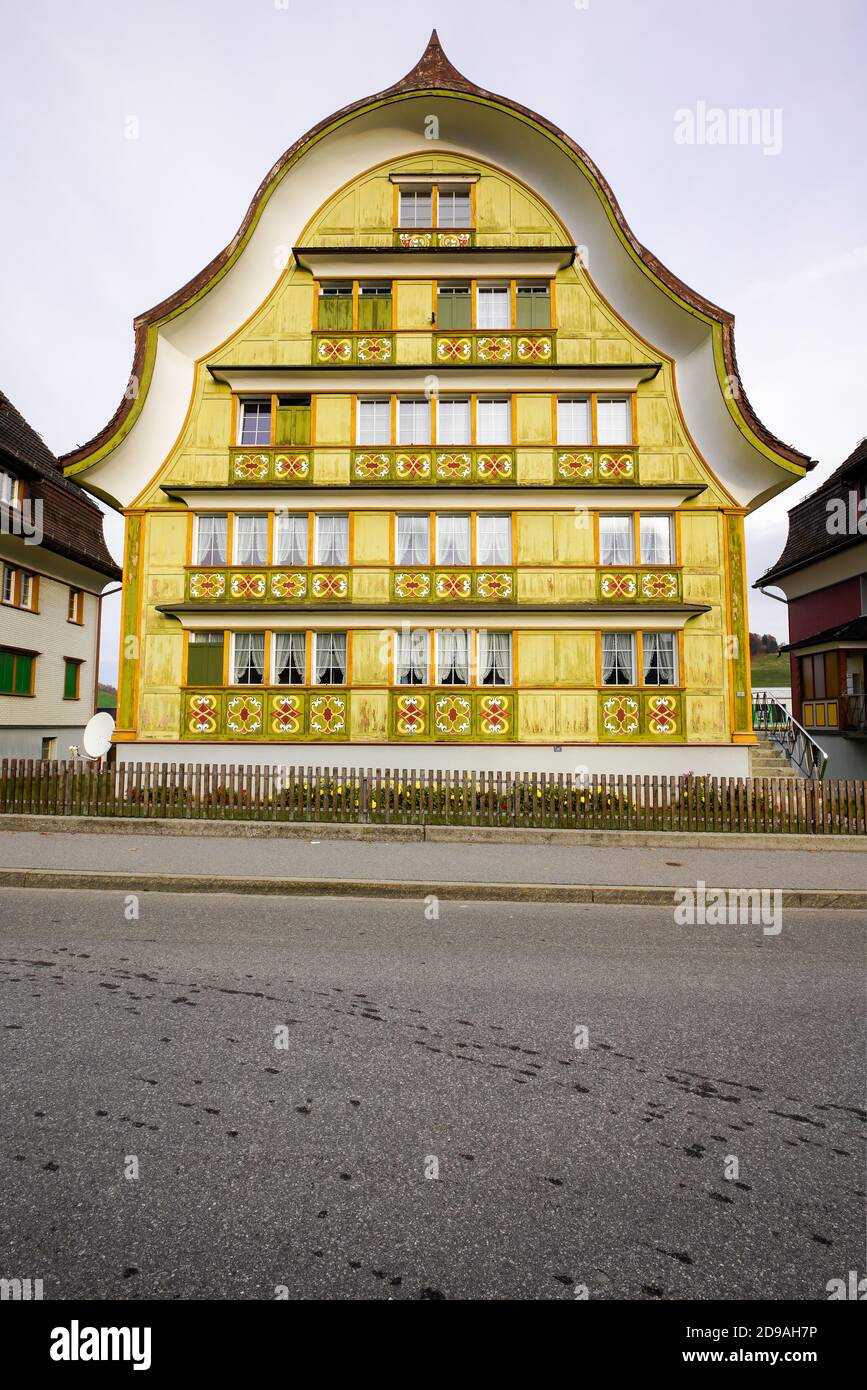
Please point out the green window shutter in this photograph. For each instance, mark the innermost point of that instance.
(70, 679)
(335, 313)
(23, 674)
(533, 310)
(374, 313)
(7, 672)
(293, 421)
(454, 312)
(205, 662)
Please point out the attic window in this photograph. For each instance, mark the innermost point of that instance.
(416, 207)
(454, 207)
(9, 489)
(255, 422)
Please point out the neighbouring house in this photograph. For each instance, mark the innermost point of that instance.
(823, 574)
(458, 480)
(54, 566)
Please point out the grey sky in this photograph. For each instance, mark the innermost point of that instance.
(99, 227)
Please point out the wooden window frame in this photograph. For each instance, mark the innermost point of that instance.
(75, 607)
(15, 653)
(76, 663)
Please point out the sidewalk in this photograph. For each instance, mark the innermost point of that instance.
(336, 865)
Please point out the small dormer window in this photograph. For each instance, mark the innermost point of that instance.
(255, 422)
(454, 207)
(416, 207)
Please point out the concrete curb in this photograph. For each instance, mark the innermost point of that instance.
(104, 880)
(462, 834)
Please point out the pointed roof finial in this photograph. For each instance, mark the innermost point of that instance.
(433, 69)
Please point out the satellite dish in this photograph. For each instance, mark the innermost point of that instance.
(97, 734)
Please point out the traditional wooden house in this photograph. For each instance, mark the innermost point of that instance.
(458, 479)
(823, 574)
(54, 566)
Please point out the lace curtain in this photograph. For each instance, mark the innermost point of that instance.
(494, 540)
(330, 658)
(615, 540)
(658, 653)
(412, 541)
(332, 540)
(413, 422)
(251, 539)
(453, 422)
(290, 539)
(249, 658)
(289, 658)
(412, 656)
(494, 658)
(211, 543)
(656, 540)
(453, 540)
(617, 663)
(453, 657)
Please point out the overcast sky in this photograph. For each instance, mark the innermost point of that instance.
(98, 227)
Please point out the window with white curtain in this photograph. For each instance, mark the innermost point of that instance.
(251, 538)
(413, 420)
(574, 420)
(411, 656)
(656, 539)
(618, 658)
(330, 658)
(659, 657)
(614, 420)
(495, 658)
(493, 420)
(454, 207)
(493, 306)
(494, 539)
(415, 207)
(332, 539)
(412, 539)
(452, 656)
(453, 538)
(453, 420)
(290, 538)
(255, 422)
(9, 487)
(374, 420)
(289, 658)
(211, 533)
(248, 658)
(615, 540)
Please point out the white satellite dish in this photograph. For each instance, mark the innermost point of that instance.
(97, 734)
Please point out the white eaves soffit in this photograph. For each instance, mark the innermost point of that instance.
(387, 133)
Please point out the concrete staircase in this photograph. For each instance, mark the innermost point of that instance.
(767, 759)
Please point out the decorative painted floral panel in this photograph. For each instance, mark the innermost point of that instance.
(287, 714)
(289, 584)
(616, 466)
(453, 715)
(371, 467)
(293, 468)
(494, 468)
(374, 350)
(247, 585)
(411, 714)
(410, 584)
(415, 241)
(331, 350)
(575, 467)
(494, 347)
(534, 349)
(495, 714)
(202, 714)
(250, 468)
(454, 468)
(450, 585)
(328, 715)
(620, 715)
(494, 584)
(659, 585)
(618, 585)
(327, 584)
(412, 467)
(454, 350)
(662, 714)
(244, 714)
(455, 239)
(209, 586)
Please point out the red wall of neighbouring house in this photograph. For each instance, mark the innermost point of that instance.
(824, 608)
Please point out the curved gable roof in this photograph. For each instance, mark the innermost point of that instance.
(434, 73)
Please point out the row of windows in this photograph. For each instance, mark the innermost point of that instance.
(18, 674)
(20, 589)
(435, 205)
(447, 536)
(448, 420)
(420, 656)
(464, 305)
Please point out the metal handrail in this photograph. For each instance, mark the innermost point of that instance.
(799, 747)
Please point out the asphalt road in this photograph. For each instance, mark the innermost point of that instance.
(410, 1039)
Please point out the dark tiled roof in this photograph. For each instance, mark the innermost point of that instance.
(854, 631)
(809, 538)
(72, 523)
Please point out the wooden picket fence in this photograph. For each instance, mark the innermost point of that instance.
(186, 791)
